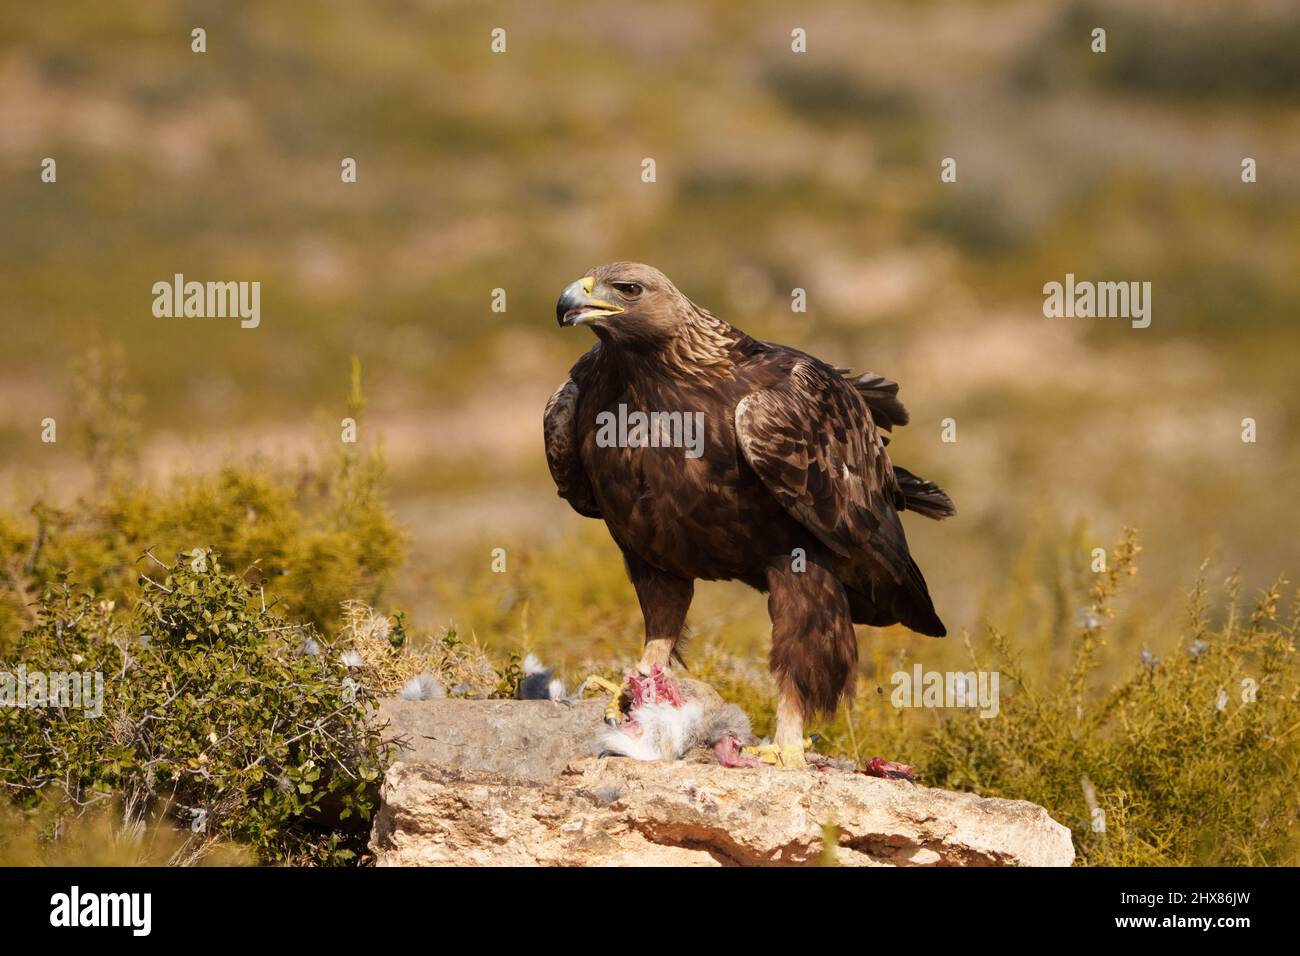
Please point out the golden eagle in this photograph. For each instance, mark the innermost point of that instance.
(790, 491)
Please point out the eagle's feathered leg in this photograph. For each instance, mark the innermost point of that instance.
(814, 649)
(665, 599)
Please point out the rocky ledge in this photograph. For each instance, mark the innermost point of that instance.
(514, 783)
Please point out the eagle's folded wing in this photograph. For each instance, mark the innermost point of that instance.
(812, 442)
(560, 429)
(881, 396)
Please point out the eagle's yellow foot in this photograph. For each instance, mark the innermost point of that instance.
(786, 756)
(614, 709)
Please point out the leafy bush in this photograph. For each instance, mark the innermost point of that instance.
(314, 538)
(237, 708)
(312, 544)
(212, 703)
(1191, 759)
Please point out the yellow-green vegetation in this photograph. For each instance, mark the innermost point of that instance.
(309, 538)
(96, 836)
(310, 543)
(236, 665)
(1191, 758)
(388, 658)
(209, 702)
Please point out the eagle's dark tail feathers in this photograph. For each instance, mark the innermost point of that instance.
(881, 396)
(908, 603)
(913, 606)
(923, 496)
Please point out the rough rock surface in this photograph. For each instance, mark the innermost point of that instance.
(530, 740)
(514, 783)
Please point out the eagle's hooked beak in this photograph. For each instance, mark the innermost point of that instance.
(577, 307)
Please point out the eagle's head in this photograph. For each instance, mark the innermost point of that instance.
(626, 304)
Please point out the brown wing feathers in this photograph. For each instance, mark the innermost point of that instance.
(571, 482)
(813, 442)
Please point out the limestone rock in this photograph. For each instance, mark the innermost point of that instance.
(531, 740)
(515, 783)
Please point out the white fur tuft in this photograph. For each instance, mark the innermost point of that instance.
(422, 687)
(667, 732)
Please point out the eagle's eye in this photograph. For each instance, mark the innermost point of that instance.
(629, 290)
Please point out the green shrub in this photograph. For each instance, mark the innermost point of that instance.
(213, 705)
(312, 545)
(313, 538)
(1190, 759)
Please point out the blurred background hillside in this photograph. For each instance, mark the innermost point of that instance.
(774, 171)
